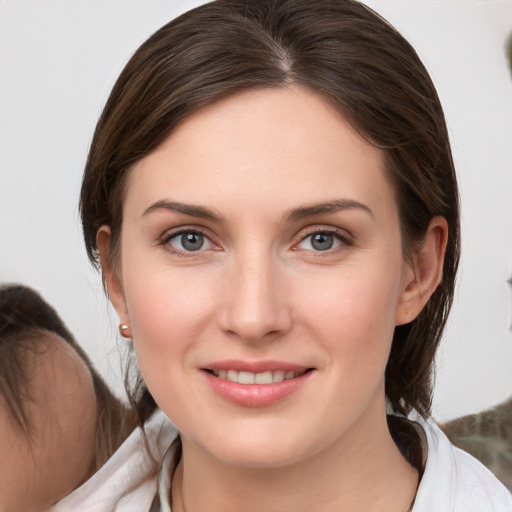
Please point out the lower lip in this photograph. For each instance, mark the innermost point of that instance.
(255, 395)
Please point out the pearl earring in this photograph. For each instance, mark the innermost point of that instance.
(122, 329)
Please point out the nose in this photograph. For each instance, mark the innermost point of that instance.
(255, 306)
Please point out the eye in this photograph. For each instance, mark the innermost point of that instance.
(189, 241)
(321, 241)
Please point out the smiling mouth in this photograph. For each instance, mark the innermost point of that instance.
(269, 377)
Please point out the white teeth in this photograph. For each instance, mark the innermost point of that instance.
(232, 375)
(246, 378)
(278, 375)
(264, 378)
(256, 378)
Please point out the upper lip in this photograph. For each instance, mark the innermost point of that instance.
(255, 366)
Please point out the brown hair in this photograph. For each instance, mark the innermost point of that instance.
(24, 318)
(341, 50)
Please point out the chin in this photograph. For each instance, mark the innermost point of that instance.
(257, 457)
(257, 448)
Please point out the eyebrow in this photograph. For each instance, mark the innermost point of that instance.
(295, 214)
(333, 206)
(188, 209)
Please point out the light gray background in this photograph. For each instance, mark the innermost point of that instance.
(58, 61)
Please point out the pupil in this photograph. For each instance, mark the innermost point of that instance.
(322, 241)
(192, 241)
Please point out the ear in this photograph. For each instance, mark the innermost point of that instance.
(423, 273)
(112, 279)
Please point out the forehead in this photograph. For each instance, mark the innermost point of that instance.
(280, 145)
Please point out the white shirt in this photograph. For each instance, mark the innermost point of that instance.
(127, 482)
(453, 481)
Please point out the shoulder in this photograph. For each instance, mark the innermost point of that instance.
(128, 480)
(455, 481)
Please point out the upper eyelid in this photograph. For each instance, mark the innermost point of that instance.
(320, 229)
(311, 230)
(172, 232)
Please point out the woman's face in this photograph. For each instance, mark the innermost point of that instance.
(261, 242)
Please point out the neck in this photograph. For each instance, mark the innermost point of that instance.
(361, 471)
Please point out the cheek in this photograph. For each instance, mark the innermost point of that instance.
(352, 312)
(167, 312)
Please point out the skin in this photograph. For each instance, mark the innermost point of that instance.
(37, 471)
(259, 290)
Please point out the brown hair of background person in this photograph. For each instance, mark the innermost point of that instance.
(27, 322)
(369, 73)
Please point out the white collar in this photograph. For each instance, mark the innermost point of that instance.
(127, 481)
(453, 481)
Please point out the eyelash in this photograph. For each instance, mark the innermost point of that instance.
(166, 239)
(343, 239)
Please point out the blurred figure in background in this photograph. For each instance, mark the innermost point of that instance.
(59, 422)
(488, 437)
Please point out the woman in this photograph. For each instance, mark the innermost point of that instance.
(58, 419)
(271, 195)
